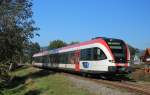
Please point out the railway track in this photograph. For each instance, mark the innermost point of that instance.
(130, 86)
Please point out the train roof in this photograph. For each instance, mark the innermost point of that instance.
(93, 40)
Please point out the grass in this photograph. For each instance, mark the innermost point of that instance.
(139, 74)
(33, 81)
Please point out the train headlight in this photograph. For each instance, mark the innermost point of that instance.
(112, 61)
(112, 68)
(122, 69)
(128, 61)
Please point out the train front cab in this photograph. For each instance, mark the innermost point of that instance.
(120, 55)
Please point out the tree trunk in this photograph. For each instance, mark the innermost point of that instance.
(11, 66)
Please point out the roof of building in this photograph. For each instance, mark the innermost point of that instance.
(148, 50)
(146, 53)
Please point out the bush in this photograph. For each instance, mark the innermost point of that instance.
(3, 72)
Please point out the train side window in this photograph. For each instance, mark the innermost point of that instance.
(82, 54)
(45, 59)
(71, 57)
(52, 58)
(89, 54)
(63, 58)
(56, 58)
(99, 54)
(66, 58)
(86, 54)
(38, 59)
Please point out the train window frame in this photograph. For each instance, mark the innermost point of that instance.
(38, 59)
(45, 59)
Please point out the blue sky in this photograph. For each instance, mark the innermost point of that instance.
(81, 20)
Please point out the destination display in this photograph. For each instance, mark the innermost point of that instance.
(113, 43)
(116, 47)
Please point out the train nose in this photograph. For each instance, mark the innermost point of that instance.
(128, 69)
(119, 69)
(112, 68)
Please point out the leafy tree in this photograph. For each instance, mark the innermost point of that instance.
(28, 52)
(56, 44)
(73, 42)
(133, 51)
(16, 29)
(34, 48)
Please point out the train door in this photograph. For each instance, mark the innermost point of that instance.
(77, 60)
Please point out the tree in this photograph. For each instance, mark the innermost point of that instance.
(56, 44)
(73, 42)
(28, 52)
(16, 29)
(34, 48)
(133, 51)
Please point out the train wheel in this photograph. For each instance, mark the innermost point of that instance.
(103, 77)
(84, 74)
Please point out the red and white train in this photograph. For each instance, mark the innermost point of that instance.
(97, 56)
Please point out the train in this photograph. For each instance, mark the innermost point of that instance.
(99, 55)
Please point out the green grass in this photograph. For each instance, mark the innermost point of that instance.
(33, 81)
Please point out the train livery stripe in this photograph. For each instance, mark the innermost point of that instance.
(76, 46)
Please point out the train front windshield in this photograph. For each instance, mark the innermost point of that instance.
(118, 49)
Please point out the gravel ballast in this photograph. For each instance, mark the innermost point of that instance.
(96, 88)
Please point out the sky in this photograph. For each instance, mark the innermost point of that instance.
(81, 20)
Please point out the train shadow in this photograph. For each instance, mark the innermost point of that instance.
(122, 78)
(117, 77)
(110, 77)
